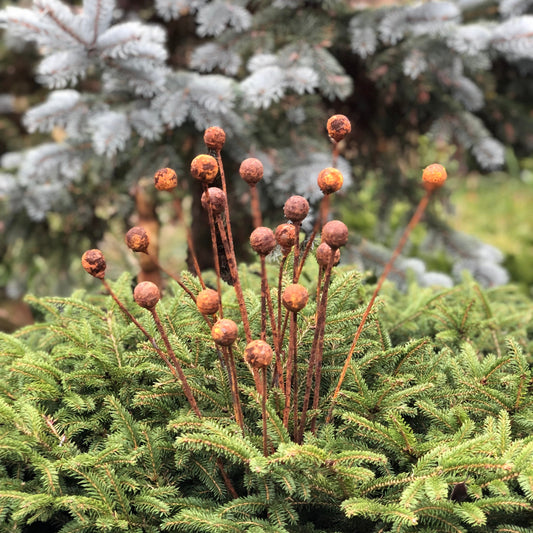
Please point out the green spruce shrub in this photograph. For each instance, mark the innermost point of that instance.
(124, 411)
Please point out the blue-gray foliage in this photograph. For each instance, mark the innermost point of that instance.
(250, 59)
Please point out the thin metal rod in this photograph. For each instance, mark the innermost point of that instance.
(256, 209)
(264, 412)
(317, 349)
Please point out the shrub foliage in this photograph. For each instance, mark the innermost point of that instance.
(431, 431)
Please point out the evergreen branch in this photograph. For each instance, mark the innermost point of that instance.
(124, 421)
(58, 13)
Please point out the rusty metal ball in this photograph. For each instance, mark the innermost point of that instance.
(217, 200)
(295, 297)
(146, 294)
(224, 332)
(338, 127)
(207, 302)
(286, 235)
(296, 208)
(323, 254)
(94, 263)
(262, 240)
(434, 176)
(258, 354)
(330, 180)
(137, 239)
(214, 138)
(204, 168)
(165, 179)
(251, 170)
(335, 234)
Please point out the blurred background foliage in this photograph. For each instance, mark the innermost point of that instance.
(421, 82)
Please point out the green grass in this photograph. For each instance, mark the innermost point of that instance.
(497, 210)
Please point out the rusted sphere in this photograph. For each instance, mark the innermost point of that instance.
(434, 176)
(217, 200)
(204, 168)
(295, 297)
(94, 263)
(207, 301)
(286, 236)
(335, 233)
(330, 180)
(214, 138)
(323, 255)
(146, 294)
(165, 179)
(258, 354)
(224, 332)
(137, 239)
(262, 240)
(251, 170)
(338, 127)
(296, 208)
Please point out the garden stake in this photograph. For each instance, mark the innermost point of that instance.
(204, 168)
(286, 237)
(338, 127)
(263, 241)
(258, 354)
(329, 180)
(238, 291)
(251, 171)
(215, 138)
(94, 263)
(335, 235)
(294, 299)
(147, 294)
(433, 178)
(224, 332)
(315, 359)
(296, 209)
(264, 412)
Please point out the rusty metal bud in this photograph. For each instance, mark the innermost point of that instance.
(295, 297)
(251, 170)
(262, 240)
(137, 239)
(258, 354)
(214, 138)
(146, 294)
(335, 233)
(338, 127)
(296, 208)
(323, 255)
(165, 179)
(217, 200)
(224, 332)
(207, 302)
(94, 263)
(204, 168)
(330, 180)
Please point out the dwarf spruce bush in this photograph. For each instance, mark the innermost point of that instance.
(295, 397)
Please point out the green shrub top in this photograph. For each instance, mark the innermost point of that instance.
(431, 430)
